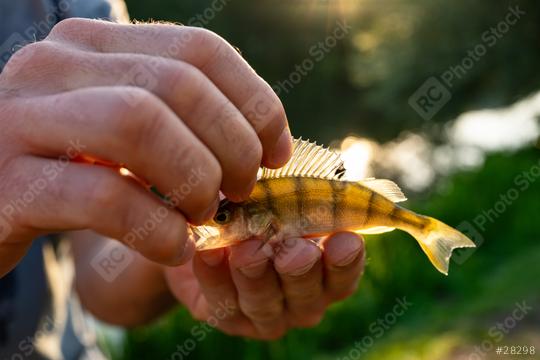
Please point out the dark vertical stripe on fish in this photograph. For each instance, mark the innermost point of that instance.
(336, 200)
(269, 198)
(300, 198)
(369, 206)
(395, 214)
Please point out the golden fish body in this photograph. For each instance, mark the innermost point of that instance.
(309, 207)
(307, 199)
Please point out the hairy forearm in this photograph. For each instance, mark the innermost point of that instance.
(116, 284)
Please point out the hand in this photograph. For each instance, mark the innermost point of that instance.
(178, 106)
(243, 292)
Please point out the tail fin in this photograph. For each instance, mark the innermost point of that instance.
(438, 240)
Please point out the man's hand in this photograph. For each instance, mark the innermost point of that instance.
(243, 292)
(178, 106)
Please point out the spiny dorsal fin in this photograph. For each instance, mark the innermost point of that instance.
(385, 187)
(309, 159)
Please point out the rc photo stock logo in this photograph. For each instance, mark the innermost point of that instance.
(434, 93)
(463, 254)
(430, 98)
(142, 76)
(111, 260)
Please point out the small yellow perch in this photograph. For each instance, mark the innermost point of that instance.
(308, 198)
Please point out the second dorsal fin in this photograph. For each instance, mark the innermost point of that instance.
(385, 187)
(309, 159)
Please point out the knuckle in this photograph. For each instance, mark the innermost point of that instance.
(88, 33)
(105, 193)
(269, 311)
(39, 53)
(202, 34)
(186, 76)
(70, 27)
(141, 121)
(206, 39)
(67, 26)
(38, 50)
(208, 171)
(306, 296)
(210, 46)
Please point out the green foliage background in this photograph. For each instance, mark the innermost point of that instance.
(362, 86)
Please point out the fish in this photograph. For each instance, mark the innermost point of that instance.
(309, 197)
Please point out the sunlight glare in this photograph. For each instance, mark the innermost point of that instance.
(357, 154)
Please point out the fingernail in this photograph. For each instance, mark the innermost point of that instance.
(304, 269)
(349, 258)
(211, 210)
(246, 191)
(254, 270)
(283, 148)
(249, 188)
(212, 257)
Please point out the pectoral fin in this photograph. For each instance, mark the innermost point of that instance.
(375, 230)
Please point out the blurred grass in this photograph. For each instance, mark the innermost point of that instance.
(448, 313)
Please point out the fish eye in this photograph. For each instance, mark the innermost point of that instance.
(222, 217)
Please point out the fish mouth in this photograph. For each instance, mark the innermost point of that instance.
(209, 237)
(205, 231)
(205, 235)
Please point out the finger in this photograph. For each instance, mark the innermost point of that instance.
(204, 50)
(185, 89)
(343, 255)
(148, 139)
(298, 263)
(186, 288)
(211, 267)
(259, 293)
(70, 196)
